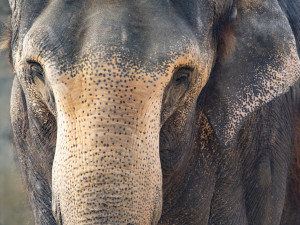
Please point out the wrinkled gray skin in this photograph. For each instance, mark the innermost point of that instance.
(156, 111)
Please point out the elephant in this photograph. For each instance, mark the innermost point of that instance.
(157, 111)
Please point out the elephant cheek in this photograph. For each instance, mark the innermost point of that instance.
(106, 169)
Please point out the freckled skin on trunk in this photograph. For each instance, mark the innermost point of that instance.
(107, 162)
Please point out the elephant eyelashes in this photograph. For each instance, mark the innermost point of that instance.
(36, 71)
(40, 86)
(182, 76)
(176, 90)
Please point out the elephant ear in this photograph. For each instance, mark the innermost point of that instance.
(257, 61)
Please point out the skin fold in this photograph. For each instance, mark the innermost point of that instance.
(157, 112)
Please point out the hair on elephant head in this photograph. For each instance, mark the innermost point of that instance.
(155, 111)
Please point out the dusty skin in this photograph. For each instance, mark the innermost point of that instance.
(157, 112)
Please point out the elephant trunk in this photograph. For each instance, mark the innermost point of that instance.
(106, 168)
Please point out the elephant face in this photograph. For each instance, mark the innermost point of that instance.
(95, 81)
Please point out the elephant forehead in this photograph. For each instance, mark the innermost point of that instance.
(143, 32)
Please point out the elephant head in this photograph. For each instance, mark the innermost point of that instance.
(96, 82)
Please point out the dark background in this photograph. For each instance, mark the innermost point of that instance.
(14, 208)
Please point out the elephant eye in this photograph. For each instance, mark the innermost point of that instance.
(182, 75)
(36, 71)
